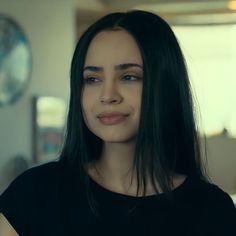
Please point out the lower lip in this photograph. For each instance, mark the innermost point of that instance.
(112, 120)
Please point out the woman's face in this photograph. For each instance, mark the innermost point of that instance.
(113, 73)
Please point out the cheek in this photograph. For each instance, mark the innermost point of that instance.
(138, 107)
(135, 98)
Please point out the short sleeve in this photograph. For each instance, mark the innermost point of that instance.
(15, 202)
(223, 213)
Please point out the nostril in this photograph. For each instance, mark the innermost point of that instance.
(109, 100)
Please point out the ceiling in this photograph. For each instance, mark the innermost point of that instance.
(174, 11)
(137, 2)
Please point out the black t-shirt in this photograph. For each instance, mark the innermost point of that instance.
(45, 201)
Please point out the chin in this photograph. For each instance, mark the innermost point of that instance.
(114, 134)
(117, 139)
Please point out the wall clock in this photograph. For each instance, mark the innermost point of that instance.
(15, 61)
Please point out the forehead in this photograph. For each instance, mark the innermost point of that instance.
(113, 47)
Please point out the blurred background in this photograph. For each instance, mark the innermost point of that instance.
(37, 39)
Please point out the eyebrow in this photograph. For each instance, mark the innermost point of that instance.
(123, 66)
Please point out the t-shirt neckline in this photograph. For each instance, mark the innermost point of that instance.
(112, 193)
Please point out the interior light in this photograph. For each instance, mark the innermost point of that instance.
(232, 5)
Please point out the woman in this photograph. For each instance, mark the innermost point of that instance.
(131, 162)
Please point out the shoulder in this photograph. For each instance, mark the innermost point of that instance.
(43, 173)
(205, 196)
(217, 198)
(49, 168)
(208, 193)
(32, 181)
(213, 195)
(29, 193)
(209, 205)
(219, 209)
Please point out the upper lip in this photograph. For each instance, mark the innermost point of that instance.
(110, 114)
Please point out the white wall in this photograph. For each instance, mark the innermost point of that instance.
(211, 57)
(222, 162)
(50, 28)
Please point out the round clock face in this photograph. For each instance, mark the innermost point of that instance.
(15, 61)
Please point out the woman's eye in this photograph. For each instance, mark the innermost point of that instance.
(90, 80)
(131, 77)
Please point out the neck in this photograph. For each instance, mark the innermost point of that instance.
(116, 160)
(114, 169)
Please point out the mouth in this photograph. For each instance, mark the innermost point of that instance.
(112, 119)
(111, 114)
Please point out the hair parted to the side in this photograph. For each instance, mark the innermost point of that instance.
(167, 139)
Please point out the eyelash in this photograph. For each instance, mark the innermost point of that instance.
(88, 81)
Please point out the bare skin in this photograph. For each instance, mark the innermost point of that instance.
(5, 228)
(104, 179)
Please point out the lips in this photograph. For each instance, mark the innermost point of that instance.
(112, 118)
(111, 114)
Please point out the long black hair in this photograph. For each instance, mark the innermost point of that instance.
(167, 139)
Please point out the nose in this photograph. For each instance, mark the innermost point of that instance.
(110, 93)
